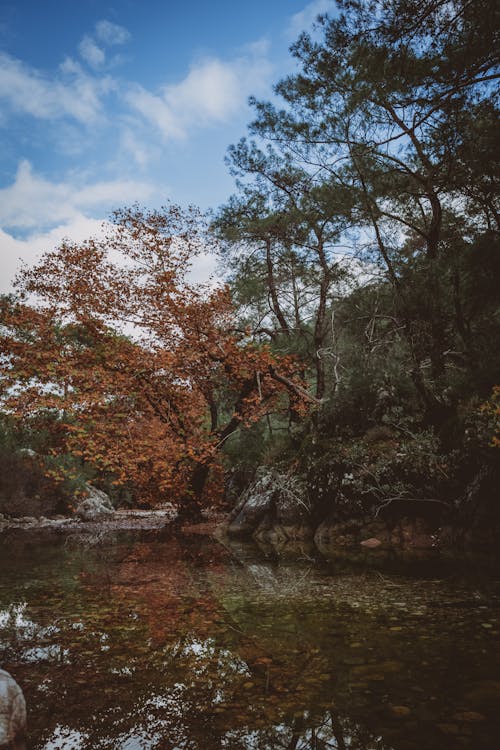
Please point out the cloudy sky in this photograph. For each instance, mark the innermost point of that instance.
(106, 104)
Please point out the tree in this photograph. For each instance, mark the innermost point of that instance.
(395, 106)
(290, 224)
(139, 371)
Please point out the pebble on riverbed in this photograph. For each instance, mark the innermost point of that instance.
(12, 711)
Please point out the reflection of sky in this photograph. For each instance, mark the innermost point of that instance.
(27, 630)
(64, 737)
(235, 657)
(281, 738)
(13, 616)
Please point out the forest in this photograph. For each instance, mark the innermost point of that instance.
(350, 343)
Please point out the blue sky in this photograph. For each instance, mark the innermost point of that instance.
(103, 105)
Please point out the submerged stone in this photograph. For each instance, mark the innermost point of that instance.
(400, 711)
(12, 711)
(371, 543)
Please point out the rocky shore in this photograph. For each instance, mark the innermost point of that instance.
(118, 519)
(277, 511)
(282, 514)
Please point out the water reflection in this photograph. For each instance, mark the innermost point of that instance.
(150, 643)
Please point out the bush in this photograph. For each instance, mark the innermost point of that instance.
(24, 488)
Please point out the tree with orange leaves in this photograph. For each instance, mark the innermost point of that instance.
(140, 371)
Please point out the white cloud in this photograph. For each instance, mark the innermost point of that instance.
(107, 34)
(91, 52)
(212, 92)
(111, 33)
(142, 152)
(32, 201)
(155, 110)
(71, 93)
(16, 252)
(303, 20)
(47, 212)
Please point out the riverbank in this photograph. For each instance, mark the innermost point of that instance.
(280, 511)
(120, 520)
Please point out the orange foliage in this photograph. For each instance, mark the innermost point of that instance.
(140, 368)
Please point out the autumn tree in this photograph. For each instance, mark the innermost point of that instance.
(138, 369)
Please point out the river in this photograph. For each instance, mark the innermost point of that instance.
(144, 640)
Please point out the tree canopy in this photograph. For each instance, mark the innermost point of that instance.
(137, 369)
(383, 148)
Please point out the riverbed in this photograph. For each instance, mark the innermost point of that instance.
(146, 640)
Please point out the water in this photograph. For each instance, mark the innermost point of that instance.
(143, 641)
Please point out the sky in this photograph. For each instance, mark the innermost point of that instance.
(103, 105)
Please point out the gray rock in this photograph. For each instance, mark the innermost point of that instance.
(93, 507)
(255, 502)
(292, 502)
(274, 505)
(12, 712)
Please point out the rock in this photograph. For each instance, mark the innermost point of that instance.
(291, 504)
(371, 543)
(274, 508)
(400, 711)
(353, 661)
(376, 671)
(448, 728)
(337, 538)
(335, 535)
(28, 521)
(12, 712)
(469, 716)
(413, 534)
(93, 507)
(484, 695)
(253, 505)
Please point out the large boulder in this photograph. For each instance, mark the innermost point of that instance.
(254, 503)
(95, 506)
(274, 507)
(12, 712)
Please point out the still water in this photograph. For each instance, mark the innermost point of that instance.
(142, 641)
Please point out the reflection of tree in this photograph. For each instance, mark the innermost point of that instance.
(171, 646)
(328, 733)
(186, 692)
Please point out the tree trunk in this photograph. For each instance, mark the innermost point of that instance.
(190, 510)
(319, 327)
(273, 292)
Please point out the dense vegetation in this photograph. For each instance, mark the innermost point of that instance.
(364, 238)
(361, 252)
